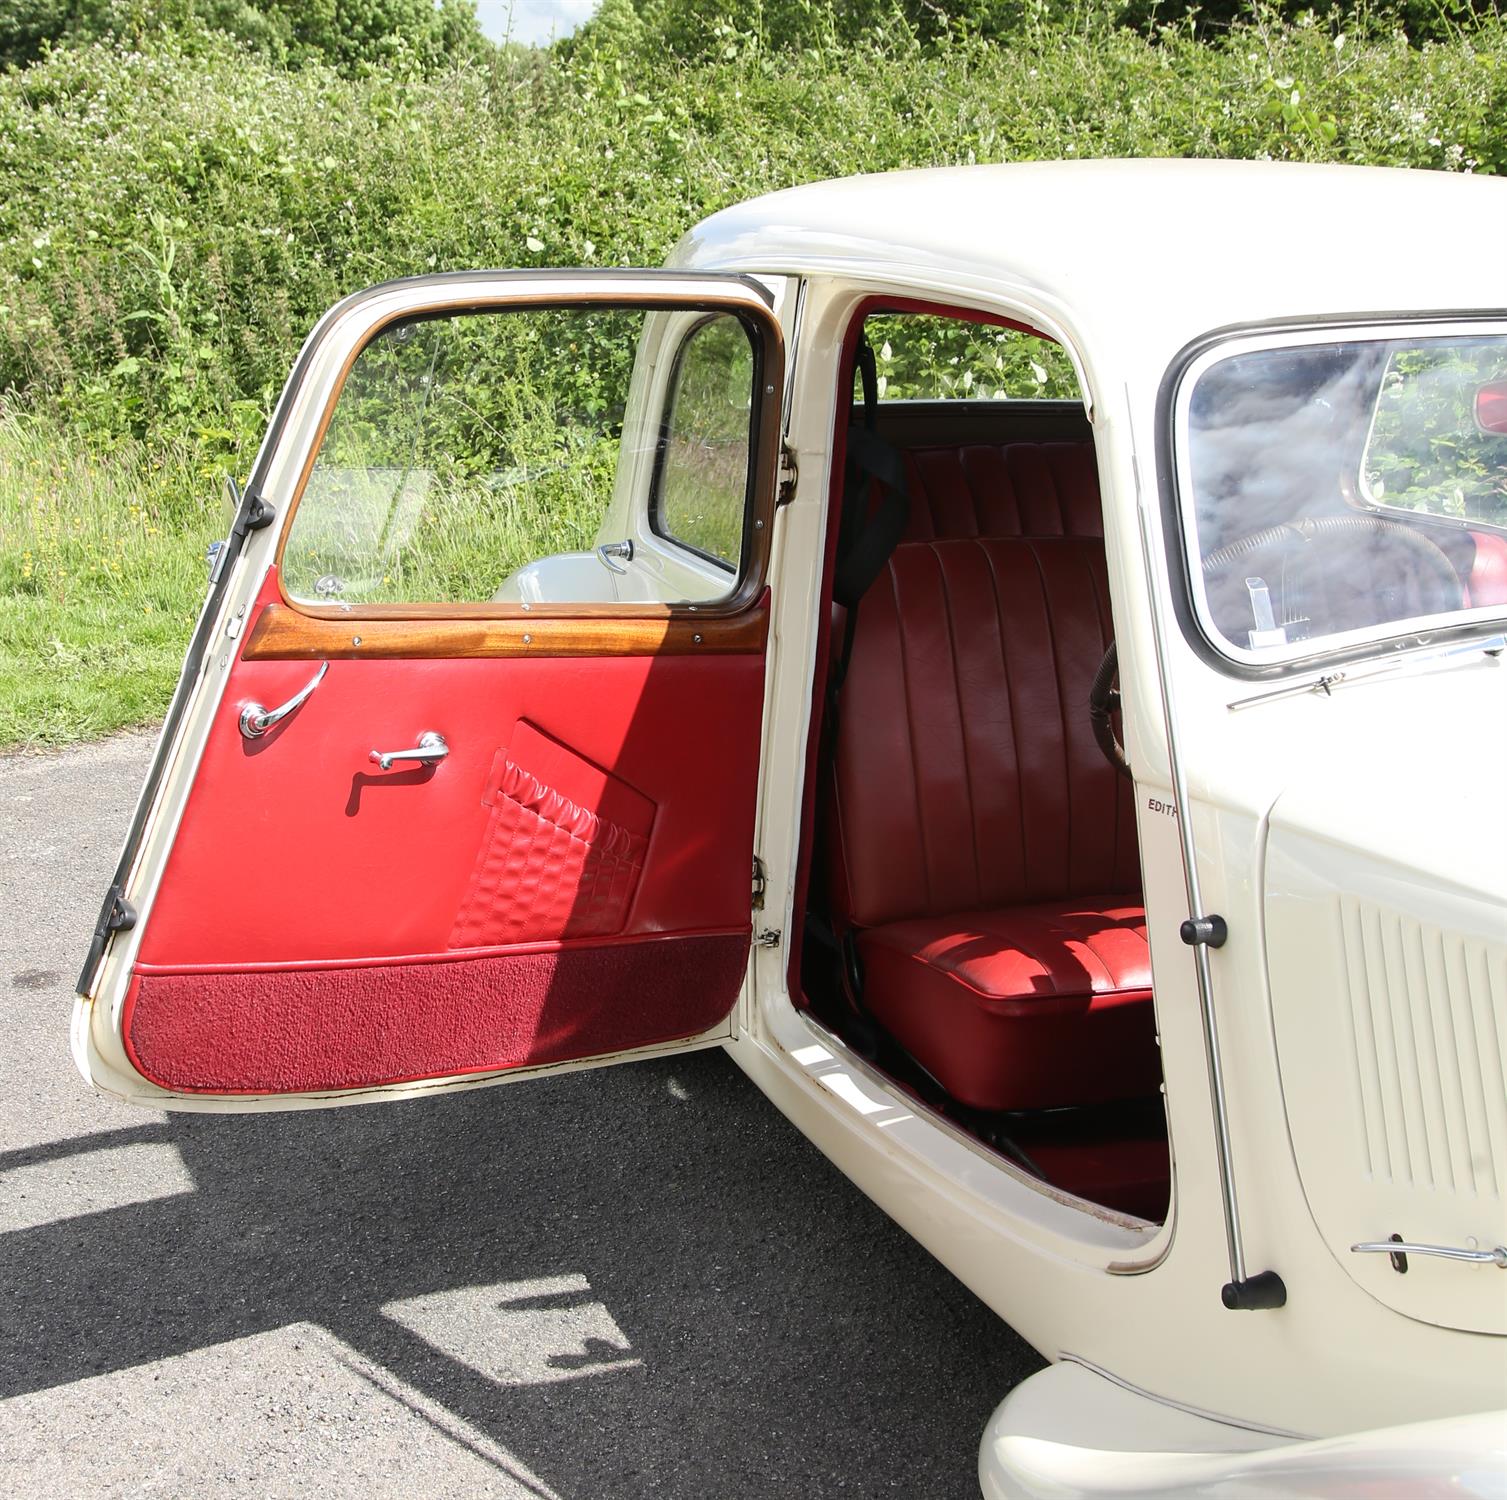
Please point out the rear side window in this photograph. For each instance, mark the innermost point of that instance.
(1335, 486)
(924, 357)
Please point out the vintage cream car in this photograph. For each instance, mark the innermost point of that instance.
(560, 601)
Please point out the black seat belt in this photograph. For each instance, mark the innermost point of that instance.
(864, 545)
(864, 541)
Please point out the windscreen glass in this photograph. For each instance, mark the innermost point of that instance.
(1330, 488)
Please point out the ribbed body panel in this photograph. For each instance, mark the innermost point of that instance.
(1431, 1071)
(1389, 997)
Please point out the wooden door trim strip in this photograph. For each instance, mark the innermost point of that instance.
(285, 634)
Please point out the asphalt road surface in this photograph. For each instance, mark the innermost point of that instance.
(639, 1281)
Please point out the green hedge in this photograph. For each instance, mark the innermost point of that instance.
(172, 224)
(174, 218)
(704, 28)
(343, 33)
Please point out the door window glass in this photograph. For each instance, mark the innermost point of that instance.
(464, 448)
(703, 478)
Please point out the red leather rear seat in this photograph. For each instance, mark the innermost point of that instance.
(986, 852)
(1003, 489)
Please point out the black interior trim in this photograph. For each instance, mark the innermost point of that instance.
(922, 424)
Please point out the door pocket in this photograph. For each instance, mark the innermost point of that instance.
(562, 851)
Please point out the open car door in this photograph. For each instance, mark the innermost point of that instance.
(459, 780)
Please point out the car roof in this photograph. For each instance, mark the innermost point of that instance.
(1158, 251)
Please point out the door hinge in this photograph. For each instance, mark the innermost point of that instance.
(760, 883)
(768, 938)
(789, 473)
(252, 513)
(116, 915)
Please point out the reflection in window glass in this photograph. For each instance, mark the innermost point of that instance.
(1425, 450)
(703, 480)
(1284, 451)
(924, 357)
(465, 447)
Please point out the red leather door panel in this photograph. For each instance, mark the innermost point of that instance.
(572, 879)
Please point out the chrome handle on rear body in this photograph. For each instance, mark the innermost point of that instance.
(1399, 1249)
(256, 721)
(430, 750)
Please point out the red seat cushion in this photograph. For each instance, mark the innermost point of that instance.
(1024, 1007)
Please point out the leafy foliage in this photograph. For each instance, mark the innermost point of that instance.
(1426, 451)
(920, 358)
(343, 33)
(461, 449)
(713, 29)
(173, 223)
(99, 580)
(179, 206)
(703, 476)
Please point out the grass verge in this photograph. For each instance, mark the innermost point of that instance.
(101, 575)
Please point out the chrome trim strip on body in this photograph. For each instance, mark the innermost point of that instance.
(1069, 1358)
(1233, 1238)
(1326, 682)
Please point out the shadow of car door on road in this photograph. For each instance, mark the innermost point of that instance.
(637, 1281)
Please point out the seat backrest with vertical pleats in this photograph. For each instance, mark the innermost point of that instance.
(966, 772)
(1003, 489)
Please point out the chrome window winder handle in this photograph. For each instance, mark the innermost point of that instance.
(430, 750)
(256, 720)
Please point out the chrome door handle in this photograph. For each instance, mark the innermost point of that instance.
(430, 750)
(256, 720)
(609, 552)
(1497, 1256)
